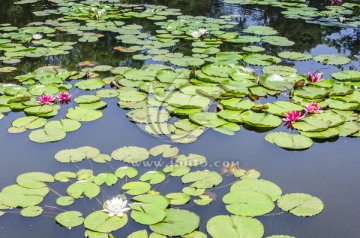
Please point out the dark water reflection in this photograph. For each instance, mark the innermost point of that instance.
(328, 170)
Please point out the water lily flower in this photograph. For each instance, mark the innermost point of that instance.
(203, 31)
(46, 99)
(37, 36)
(64, 97)
(313, 77)
(342, 19)
(291, 117)
(116, 206)
(312, 107)
(336, 2)
(195, 34)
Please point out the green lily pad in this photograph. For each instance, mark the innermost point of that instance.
(289, 141)
(31, 211)
(332, 59)
(130, 172)
(108, 178)
(136, 188)
(47, 135)
(176, 170)
(101, 222)
(65, 201)
(190, 160)
(66, 125)
(70, 156)
(154, 177)
(90, 84)
(258, 185)
(294, 55)
(347, 75)
(248, 203)
(34, 179)
(130, 154)
(90, 190)
(234, 226)
(301, 204)
(70, 219)
(202, 179)
(178, 198)
(177, 223)
(83, 114)
(261, 120)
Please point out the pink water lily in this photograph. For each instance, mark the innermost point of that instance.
(64, 97)
(291, 117)
(313, 77)
(46, 99)
(336, 2)
(312, 107)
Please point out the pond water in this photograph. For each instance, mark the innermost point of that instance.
(328, 170)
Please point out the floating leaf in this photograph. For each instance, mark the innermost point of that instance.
(332, 59)
(34, 179)
(177, 223)
(31, 211)
(130, 154)
(234, 226)
(70, 219)
(257, 185)
(83, 114)
(64, 201)
(289, 141)
(101, 222)
(261, 120)
(301, 204)
(90, 190)
(178, 198)
(190, 160)
(70, 155)
(248, 203)
(130, 172)
(136, 188)
(47, 135)
(204, 200)
(108, 178)
(202, 179)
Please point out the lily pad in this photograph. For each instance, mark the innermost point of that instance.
(301, 204)
(101, 222)
(70, 219)
(130, 154)
(289, 141)
(234, 226)
(177, 223)
(332, 59)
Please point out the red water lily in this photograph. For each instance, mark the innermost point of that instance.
(46, 99)
(336, 2)
(291, 117)
(312, 107)
(313, 77)
(64, 97)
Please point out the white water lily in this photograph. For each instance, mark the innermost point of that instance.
(37, 36)
(195, 34)
(99, 13)
(116, 206)
(203, 31)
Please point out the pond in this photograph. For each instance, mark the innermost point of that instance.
(203, 79)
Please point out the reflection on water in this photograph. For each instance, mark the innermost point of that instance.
(327, 170)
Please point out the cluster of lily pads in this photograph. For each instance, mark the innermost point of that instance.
(141, 200)
(335, 14)
(221, 95)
